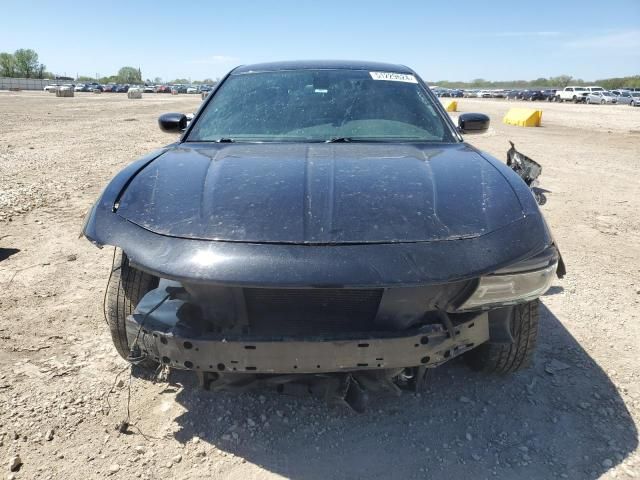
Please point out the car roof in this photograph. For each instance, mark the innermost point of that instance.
(322, 64)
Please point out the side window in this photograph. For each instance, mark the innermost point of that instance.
(569, 89)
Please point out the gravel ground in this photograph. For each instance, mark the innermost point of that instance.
(572, 415)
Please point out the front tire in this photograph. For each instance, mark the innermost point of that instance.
(127, 285)
(506, 358)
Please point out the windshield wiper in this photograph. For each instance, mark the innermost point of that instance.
(372, 139)
(344, 140)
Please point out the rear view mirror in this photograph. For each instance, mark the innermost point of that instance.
(173, 122)
(473, 123)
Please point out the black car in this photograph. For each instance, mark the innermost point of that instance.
(179, 88)
(549, 95)
(514, 95)
(323, 224)
(532, 95)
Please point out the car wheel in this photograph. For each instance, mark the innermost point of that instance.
(127, 285)
(602, 102)
(510, 357)
(587, 101)
(575, 99)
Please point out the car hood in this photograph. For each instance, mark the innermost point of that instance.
(320, 193)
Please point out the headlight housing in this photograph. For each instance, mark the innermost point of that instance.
(520, 283)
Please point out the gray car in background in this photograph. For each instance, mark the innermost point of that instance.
(623, 96)
(601, 97)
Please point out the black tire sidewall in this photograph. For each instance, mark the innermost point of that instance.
(504, 358)
(126, 286)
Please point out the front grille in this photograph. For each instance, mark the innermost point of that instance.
(313, 311)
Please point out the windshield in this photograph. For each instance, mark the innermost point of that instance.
(321, 105)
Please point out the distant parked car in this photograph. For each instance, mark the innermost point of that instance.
(601, 97)
(163, 89)
(618, 91)
(635, 101)
(470, 94)
(192, 89)
(573, 94)
(549, 95)
(622, 96)
(484, 94)
(122, 89)
(110, 87)
(148, 89)
(532, 95)
(456, 93)
(51, 87)
(93, 86)
(498, 94)
(514, 95)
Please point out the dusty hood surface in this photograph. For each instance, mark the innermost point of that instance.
(320, 193)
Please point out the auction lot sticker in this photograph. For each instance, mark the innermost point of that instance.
(393, 77)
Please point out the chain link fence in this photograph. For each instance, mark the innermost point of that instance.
(24, 83)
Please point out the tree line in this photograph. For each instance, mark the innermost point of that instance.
(560, 81)
(23, 63)
(130, 75)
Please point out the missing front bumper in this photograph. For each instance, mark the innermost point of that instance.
(429, 346)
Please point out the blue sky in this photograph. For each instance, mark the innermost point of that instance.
(462, 40)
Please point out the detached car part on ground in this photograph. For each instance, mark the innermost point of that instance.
(323, 226)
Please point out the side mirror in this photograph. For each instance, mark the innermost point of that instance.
(172, 122)
(473, 123)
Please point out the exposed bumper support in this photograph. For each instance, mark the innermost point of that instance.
(427, 346)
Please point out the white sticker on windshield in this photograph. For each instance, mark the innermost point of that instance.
(393, 77)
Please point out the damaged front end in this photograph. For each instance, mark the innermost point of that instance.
(345, 338)
(529, 170)
(365, 309)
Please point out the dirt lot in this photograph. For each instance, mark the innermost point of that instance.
(572, 415)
